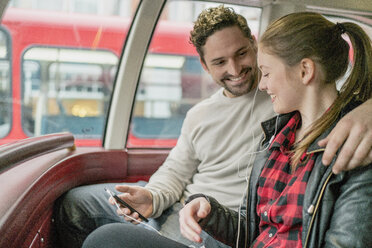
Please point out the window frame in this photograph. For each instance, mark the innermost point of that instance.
(9, 58)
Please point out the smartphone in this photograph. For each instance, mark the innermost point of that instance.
(118, 200)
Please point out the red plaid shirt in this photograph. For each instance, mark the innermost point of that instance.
(281, 193)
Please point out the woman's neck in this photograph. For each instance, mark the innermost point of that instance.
(315, 103)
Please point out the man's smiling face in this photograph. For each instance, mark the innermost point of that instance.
(230, 59)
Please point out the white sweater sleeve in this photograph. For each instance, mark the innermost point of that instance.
(211, 155)
(168, 183)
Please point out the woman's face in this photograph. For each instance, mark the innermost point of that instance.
(281, 83)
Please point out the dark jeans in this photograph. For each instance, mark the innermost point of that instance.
(84, 209)
(120, 235)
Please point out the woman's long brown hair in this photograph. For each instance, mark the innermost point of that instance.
(310, 35)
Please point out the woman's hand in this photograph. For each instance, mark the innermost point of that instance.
(190, 215)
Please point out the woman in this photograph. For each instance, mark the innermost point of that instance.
(294, 200)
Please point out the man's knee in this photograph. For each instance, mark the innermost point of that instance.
(84, 206)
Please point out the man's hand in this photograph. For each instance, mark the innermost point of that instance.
(354, 132)
(137, 197)
(190, 215)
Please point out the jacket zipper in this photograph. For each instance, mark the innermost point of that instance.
(315, 209)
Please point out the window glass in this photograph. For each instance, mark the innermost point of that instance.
(66, 90)
(367, 28)
(172, 79)
(5, 87)
(65, 59)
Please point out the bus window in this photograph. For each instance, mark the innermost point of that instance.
(172, 79)
(5, 89)
(63, 90)
(166, 92)
(367, 28)
(64, 59)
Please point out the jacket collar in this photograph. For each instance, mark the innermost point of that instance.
(314, 147)
(272, 127)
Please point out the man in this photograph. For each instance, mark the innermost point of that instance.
(214, 152)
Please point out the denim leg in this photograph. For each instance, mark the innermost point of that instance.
(83, 209)
(120, 235)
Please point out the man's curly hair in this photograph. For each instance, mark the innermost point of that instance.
(214, 19)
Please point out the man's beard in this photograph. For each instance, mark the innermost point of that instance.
(245, 87)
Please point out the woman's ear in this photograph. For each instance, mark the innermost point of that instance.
(307, 67)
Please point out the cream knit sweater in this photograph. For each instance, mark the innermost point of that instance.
(212, 152)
